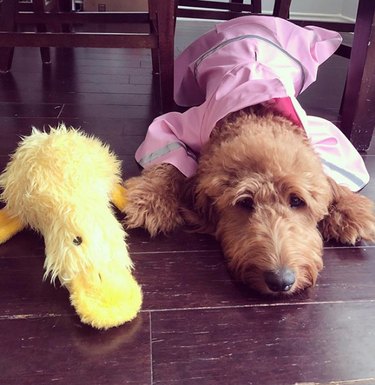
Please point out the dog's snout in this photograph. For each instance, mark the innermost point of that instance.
(280, 280)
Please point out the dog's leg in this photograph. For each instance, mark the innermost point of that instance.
(153, 199)
(351, 217)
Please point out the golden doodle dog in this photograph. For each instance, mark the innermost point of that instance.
(245, 163)
(261, 190)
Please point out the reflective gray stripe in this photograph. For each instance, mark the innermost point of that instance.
(353, 178)
(234, 39)
(163, 151)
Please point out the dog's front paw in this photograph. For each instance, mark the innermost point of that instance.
(350, 220)
(153, 200)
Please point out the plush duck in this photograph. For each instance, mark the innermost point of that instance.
(61, 184)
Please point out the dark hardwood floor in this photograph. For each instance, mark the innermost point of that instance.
(197, 326)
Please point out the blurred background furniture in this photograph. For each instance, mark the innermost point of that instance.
(358, 102)
(357, 112)
(207, 9)
(53, 21)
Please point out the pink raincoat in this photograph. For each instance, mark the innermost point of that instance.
(243, 62)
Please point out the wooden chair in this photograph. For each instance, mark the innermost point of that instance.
(50, 16)
(357, 107)
(357, 111)
(358, 103)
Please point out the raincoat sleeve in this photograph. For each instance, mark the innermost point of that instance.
(172, 138)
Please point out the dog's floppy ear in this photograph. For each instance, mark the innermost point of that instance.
(198, 209)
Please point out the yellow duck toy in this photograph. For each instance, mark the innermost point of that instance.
(61, 184)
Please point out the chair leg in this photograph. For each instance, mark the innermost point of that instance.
(39, 7)
(64, 6)
(257, 5)
(281, 8)
(357, 108)
(51, 6)
(7, 23)
(155, 61)
(165, 13)
(45, 52)
(152, 9)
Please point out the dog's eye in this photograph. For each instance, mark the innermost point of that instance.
(77, 241)
(246, 203)
(295, 201)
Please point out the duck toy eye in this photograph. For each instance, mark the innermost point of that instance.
(77, 241)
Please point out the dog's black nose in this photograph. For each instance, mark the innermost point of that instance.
(280, 280)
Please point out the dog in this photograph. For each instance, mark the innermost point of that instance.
(245, 163)
(261, 190)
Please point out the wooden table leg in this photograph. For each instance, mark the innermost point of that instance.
(281, 8)
(7, 23)
(358, 105)
(165, 13)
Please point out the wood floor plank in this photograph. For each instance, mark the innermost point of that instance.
(76, 96)
(129, 166)
(311, 99)
(183, 279)
(64, 58)
(179, 241)
(123, 135)
(196, 280)
(104, 128)
(280, 345)
(59, 349)
(369, 381)
(30, 110)
(110, 111)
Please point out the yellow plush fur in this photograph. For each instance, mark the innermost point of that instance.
(60, 184)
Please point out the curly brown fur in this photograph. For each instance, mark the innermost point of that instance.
(153, 199)
(350, 217)
(261, 190)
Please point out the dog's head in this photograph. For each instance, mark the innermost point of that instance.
(262, 193)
